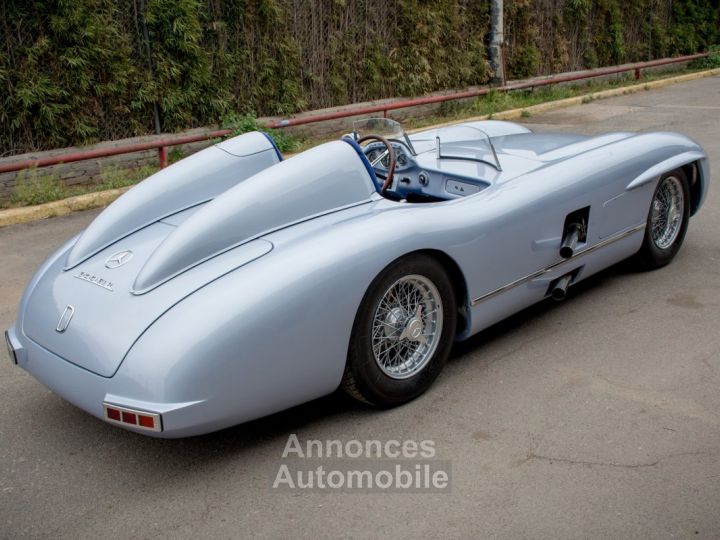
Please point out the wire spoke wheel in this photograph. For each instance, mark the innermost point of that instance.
(667, 212)
(406, 326)
(667, 220)
(402, 333)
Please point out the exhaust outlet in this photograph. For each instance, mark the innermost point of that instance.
(559, 290)
(570, 241)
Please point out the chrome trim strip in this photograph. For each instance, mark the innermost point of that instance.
(10, 348)
(65, 319)
(513, 284)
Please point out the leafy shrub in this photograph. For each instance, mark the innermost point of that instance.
(34, 187)
(525, 62)
(708, 62)
(240, 124)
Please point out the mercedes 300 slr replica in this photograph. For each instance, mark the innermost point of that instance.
(234, 284)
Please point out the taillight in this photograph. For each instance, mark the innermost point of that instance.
(130, 417)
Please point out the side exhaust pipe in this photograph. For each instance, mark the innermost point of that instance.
(569, 243)
(559, 290)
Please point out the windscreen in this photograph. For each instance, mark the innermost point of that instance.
(459, 142)
(385, 127)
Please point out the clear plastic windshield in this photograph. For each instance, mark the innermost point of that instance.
(452, 142)
(459, 142)
(385, 127)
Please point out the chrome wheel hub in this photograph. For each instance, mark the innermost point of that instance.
(667, 212)
(414, 329)
(394, 322)
(406, 326)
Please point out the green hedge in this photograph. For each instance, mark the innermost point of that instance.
(79, 71)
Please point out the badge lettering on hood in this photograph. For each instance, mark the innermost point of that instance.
(95, 280)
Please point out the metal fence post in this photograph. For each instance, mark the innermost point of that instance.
(163, 156)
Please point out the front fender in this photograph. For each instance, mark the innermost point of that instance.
(684, 151)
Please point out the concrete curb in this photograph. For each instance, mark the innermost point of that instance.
(13, 216)
(512, 114)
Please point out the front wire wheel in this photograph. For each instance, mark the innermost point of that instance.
(666, 214)
(667, 221)
(403, 333)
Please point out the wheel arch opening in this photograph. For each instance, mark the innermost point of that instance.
(692, 173)
(457, 279)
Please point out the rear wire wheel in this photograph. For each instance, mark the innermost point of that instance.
(403, 333)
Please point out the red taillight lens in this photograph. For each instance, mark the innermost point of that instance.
(140, 419)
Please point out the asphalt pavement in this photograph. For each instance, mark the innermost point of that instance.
(598, 417)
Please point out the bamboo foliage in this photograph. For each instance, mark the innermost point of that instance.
(78, 71)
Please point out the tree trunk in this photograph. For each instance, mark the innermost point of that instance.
(496, 41)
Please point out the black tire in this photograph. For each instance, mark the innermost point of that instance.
(363, 379)
(652, 256)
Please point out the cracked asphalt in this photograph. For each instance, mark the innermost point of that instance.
(595, 418)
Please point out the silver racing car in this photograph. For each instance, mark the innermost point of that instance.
(234, 284)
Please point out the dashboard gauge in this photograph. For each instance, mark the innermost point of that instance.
(372, 155)
(386, 160)
(402, 159)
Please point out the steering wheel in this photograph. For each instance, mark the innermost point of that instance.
(391, 164)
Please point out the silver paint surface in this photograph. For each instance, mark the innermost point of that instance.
(248, 300)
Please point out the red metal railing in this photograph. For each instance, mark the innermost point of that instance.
(162, 144)
(482, 91)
